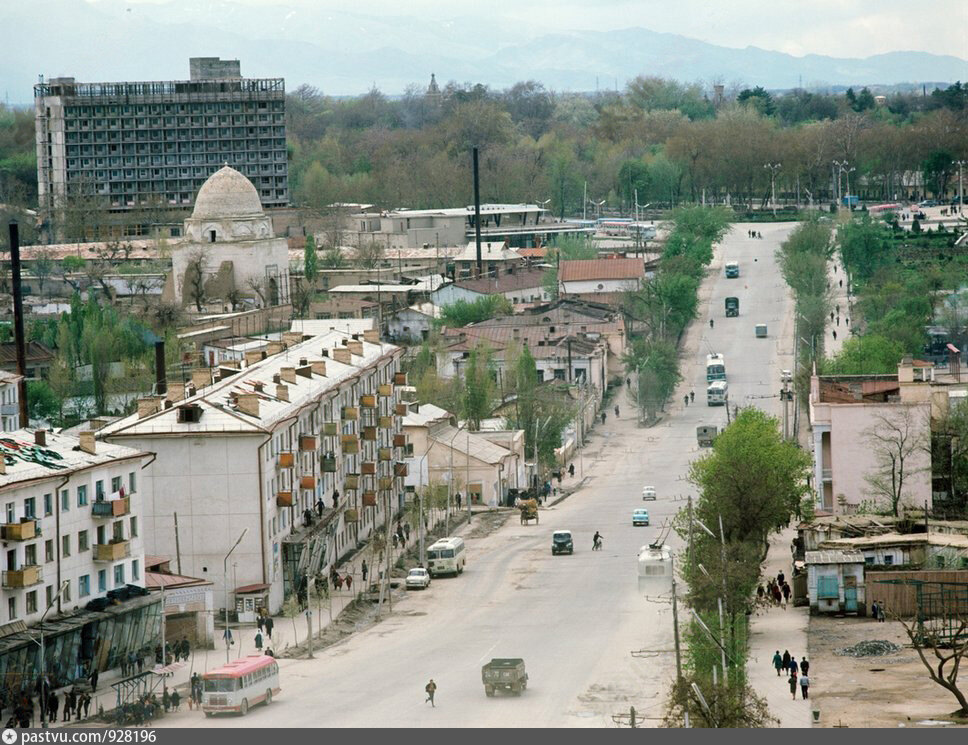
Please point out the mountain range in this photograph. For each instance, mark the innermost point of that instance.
(347, 53)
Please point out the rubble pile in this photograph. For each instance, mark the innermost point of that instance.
(868, 648)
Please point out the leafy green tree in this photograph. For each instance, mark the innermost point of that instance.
(866, 246)
(665, 304)
(937, 169)
(479, 389)
(463, 312)
(42, 402)
(566, 249)
(752, 478)
(656, 365)
(759, 99)
(870, 354)
(310, 260)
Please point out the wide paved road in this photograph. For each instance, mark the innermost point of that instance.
(574, 619)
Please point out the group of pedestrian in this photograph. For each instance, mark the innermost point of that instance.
(877, 610)
(797, 673)
(264, 622)
(77, 705)
(339, 580)
(777, 590)
(170, 701)
(195, 689)
(132, 663)
(753, 234)
(689, 398)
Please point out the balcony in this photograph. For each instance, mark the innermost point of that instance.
(307, 443)
(368, 401)
(352, 481)
(285, 460)
(400, 378)
(330, 429)
(385, 389)
(307, 482)
(385, 422)
(111, 551)
(111, 508)
(284, 499)
(26, 577)
(828, 474)
(22, 531)
(350, 413)
(385, 454)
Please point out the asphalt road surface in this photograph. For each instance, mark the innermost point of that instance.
(575, 620)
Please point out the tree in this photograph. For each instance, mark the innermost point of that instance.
(752, 477)
(42, 402)
(463, 312)
(655, 362)
(870, 354)
(369, 255)
(478, 395)
(258, 286)
(302, 297)
(949, 653)
(195, 277)
(895, 441)
(333, 258)
(43, 267)
(759, 99)
(310, 260)
(866, 246)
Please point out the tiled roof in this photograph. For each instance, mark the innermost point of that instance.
(587, 269)
(35, 351)
(522, 279)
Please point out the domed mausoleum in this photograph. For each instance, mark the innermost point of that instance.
(229, 238)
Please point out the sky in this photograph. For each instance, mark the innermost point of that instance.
(841, 28)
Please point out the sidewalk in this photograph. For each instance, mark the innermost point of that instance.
(841, 302)
(775, 628)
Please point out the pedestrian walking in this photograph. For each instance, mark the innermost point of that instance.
(685, 400)
(349, 582)
(175, 700)
(364, 569)
(838, 320)
(831, 315)
(846, 321)
(786, 660)
(166, 700)
(692, 396)
(777, 662)
(260, 622)
(458, 498)
(880, 612)
(227, 635)
(780, 577)
(628, 382)
(841, 283)
(53, 704)
(603, 417)
(335, 498)
(616, 412)
(786, 593)
(874, 610)
(406, 530)
(258, 640)
(269, 624)
(571, 470)
(431, 689)
(777, 598)
(794, 667)
(792, 680)
(320, 506)
(835, 335)
(804, 665)
(804, 686)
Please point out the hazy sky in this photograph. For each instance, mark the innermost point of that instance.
(842, 28)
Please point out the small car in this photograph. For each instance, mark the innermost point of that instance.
(418, 578)
(928, 203)
(648, 493)
(640, 517)
(562, 543)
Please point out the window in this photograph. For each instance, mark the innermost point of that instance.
(30, 507)
(49, 594)
(135, 569)
(48, 504)
(65, 546)
(132, 482)
(134, 527)
(65, 500)
(119, 575)
(889, 559)
(99, 490)
(115, 484)
(31, 604)
(83, 543)
(102, 581)
(11, 513)
(11, 609)
(66, 597)
(30, 555)
(939, 561)
(83, 585)
(48, 551)
(82, 495)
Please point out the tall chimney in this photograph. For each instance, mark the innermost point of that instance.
(18, 320)
(161, 383)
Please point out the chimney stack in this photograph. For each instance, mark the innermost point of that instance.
(319, 367)
(282, 392)
(202, 378)
(87, 442)
(248, 403)
(288, 374)
(372, 336)
(40, 437)
(161, 381)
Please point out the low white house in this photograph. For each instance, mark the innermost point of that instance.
(598, 276)
(519, 286)
(413, 324)
(835, 581)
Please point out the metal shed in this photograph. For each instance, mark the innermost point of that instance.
(835, 581)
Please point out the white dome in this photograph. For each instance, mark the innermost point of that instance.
(227, 194)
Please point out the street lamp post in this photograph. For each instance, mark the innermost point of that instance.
(225, 580)
(43, 656)
(774, 167)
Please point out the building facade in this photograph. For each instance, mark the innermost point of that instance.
(297, 453)
(135, 144)
(10, 401)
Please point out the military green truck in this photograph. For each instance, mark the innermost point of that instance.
(504, 674)
(732, 307)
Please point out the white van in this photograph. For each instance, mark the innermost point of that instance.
(446, 556)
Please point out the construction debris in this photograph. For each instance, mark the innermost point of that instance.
(870, 648)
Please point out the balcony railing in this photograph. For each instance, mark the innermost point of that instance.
(111, 551)
(828, 474)
(22, 531)
(25, 577)
(111, 508)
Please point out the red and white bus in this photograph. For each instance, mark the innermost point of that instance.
(240, 684)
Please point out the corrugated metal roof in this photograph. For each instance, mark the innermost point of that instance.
(587, 269)
(829, 556)
(522, 279)
(470, 444)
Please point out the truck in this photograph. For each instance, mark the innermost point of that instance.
(761, 331)
(732, 307)
(715, 367)
(705, 435)
(732, 269)
(504, 674)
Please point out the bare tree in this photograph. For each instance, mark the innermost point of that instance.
(259, 287)
(195, 278)
(302, 297)
(43, 267)
(895, 442)
(369, 255)
(948, 653)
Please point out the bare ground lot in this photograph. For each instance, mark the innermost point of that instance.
(886, 691)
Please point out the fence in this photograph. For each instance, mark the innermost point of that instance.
(902, 599)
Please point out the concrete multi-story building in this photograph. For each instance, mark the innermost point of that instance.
(298, 451)
(132, 145)
(9, 401)
(72, 521)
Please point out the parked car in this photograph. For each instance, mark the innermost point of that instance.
(928, 203)
(648, 493)
(562, 543)
(418, 578)
(640, 517)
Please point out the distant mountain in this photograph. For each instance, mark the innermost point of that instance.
(345, 53)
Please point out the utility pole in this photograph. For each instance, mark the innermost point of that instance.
(961, 185)
(477, 217)
(774, 167)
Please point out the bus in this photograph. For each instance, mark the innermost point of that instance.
(732, 269)
(240, 684)
(715, 367)
(717, 393)
(655, 568)
(446, 556)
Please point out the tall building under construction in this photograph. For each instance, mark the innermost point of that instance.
(131, 147)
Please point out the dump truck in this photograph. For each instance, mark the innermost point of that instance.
(504, 674)
(732, 307)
